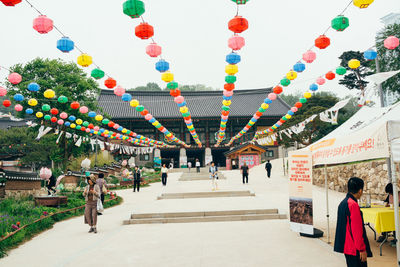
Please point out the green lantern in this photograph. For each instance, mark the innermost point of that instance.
(172, 85)
(186, 114)
(261, 110)
(97, 73)
(45, 107)
(139, 108)
(284, 118)
(78, 127)
(85, 123)
(303, 100)
(133, 8)
(105, 121)
(226, 108)
(240, 2)
(128, 132)
(158, 126)
(285, 82)
(47, 117)
(340, 23)
(230, 79)
(62, 99)
(341, 70)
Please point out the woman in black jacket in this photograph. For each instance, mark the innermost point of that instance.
(136, 179)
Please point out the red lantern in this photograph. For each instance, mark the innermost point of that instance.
(225, 113)
(75, 105)
(281, 121)
(131, 134)
(259, 114)
(175, 92)
(144, 112)
(6, 103)
(188, 118)
(298, 105)
(110, 83)
(144, 31)
(111, 124)
(153, 50)
(238, 24)
(278, 89)
(42, 24)
(322, 42)
(330, 75)
(90, 126)
(83, 128)
(53, 119)
(54, 111)
(229, 86)
(11, 2)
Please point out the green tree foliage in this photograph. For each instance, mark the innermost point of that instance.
(149, 87)
(354, 78)
(196, 87)
(292, 98)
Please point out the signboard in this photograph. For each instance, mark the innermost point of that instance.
(300, 192)
(251, 160)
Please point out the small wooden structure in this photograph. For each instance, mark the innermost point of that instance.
(21, 183)
(51, 201)
(248, 152)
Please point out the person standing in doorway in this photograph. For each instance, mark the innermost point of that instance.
(92, 194)
(268, 167)
(136, 179)
(351, 238)
(197, 165)
(213, 170)
(189, 165)
(233, 164)
(245, 173)
(164, 174)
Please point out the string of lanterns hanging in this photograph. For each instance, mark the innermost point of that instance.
(339, 23)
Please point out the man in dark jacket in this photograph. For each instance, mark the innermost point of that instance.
(51, 183)
(136, 179)
(351, 238)
(268, 167)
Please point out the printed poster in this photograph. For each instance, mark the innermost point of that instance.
(251, 160)
(300, 192)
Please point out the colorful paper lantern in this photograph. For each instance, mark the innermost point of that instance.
(42, 24)
(278, 89)
(32, 102)
(341, 70)
(236, 42)
(230, 79)
(285, 82)
(175, 92)
(133, 8)
(362, 3)
(11, 2)
(65, 45)
(126, 97)
(62, 99)
(354, 64)
(46, 107)
(240, 2)
(49, 93)
(391, 42)
(144, 31)
(39, 114)
(60, 122)
(322, 42)
(29, 111)
(229, 86)
(167, 77)
(14, 78)
(307, 95)
(85, 60)
(54, 111)
(272, 96)
(320, 81)
(63, 115)
(139, 108)
(53, 119)
(75, 105)
(291, 75)
(134, 103)
(179, 99)
(153, 50)
(3, 91)
(47, 117)
(303, 100)
(309, 56)
(330, 75)
(97, 73)
(299, 67)
(238, 24)
(92, 114)
(110, 83)
(72, 118)
(6, 103)
(162, 65)
(313, 87)
(370, 54)
(119, 91)
(231, 69)
(33, 87)
(98, 117)
(83, 109)
(79, 121)
(233, 58)
(18, 97)
(340, 23)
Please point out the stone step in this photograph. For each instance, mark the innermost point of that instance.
(203, 177)
(243, 193)
(203, 213)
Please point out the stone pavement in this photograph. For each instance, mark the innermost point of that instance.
(239, 243)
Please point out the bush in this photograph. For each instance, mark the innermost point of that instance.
(149, 165)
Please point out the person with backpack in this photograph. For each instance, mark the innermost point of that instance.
(268, 167)
(136, 179)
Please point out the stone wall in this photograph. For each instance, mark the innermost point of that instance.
(374, 174)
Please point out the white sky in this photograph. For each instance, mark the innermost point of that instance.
(194, 37)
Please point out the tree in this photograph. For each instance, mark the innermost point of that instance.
(149, 87)
(196, 87)
(292, 98)
(354, 78)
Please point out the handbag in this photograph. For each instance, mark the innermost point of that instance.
(100, 207)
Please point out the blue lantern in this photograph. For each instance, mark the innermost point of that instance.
(92, 114)
(291, 113)
(91, 131)
(370, 54)
(267, 101)
(313, 87)
(65, 45)
(33, 87)
(72, 118)
(18, 97)
(299, 67)
(253, 119)
(162, 65)
(227, 97)
(67, 123)
(101, 130)
(29, 111)
(152, 120)
(182, 104)
(126, 97)
(120, 128)
(233, 58)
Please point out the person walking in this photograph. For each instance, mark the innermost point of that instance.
(164, 174)
(197, 165)
(189, 165)
(136, 179)
(268, 167)
(351, 238)
(92, 194)
(245, 173)
(103, 188)
(51, 183)
(213, 170)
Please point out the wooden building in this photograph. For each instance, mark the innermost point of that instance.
(250, 153)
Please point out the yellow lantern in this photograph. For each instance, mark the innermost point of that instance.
(32, 102)
(231, 69)
(134, 103)
(362, 3)
(169, 135)
(39, 114)
(73, 125)
(251, 122)
(49, 93)
(98, 117)
(79, 121)
(354, 64)
(167, 77)
(264, 106)
(106, 132)
(291, 75)
(124, 130)
(226, 102)
(96, 132)
(155, 123)
(288, 116)
(307, 94)
(183, 109)
(85, 60)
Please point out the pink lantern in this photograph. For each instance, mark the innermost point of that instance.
(134, 134)
(60, 122)
(164, 130)
(18, 107)
(45, 173)
(256, 117)
(3, 91)
(294, 109)
(42, 24)
(83, 110)
(279, 123)
(14, 78)
(179, 99)
(228, 93)
(224, 117)
(148, 117)
(119, 91)
(153, 50)
(116, 126)
(309, 56)
(87, 130)
(63, 115)
(391, 42)
(118, 136)
(236, 42)
(272, 96)
(320, 81)
(96, 128)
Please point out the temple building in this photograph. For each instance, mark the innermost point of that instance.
(205, 109)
